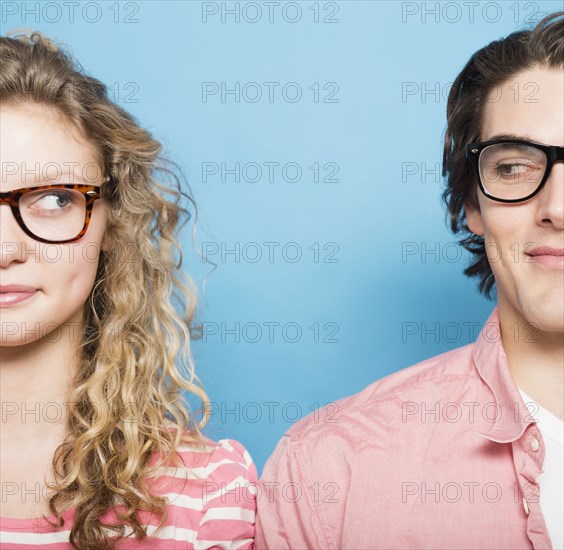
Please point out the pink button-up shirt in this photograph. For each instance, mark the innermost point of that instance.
(443, 454)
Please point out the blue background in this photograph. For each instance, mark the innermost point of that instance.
(396, 272)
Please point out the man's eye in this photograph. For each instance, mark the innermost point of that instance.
(510, 168)
(517, 171)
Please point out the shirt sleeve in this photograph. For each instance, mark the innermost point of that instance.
(287, 517)
(229, 499)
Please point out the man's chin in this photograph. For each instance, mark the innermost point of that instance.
(547, 315)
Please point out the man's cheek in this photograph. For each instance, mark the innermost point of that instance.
(494, 250)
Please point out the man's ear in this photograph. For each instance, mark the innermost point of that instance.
(474, 219)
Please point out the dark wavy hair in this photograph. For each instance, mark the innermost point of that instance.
(486, 70)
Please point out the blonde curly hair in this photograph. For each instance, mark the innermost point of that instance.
(135, 347)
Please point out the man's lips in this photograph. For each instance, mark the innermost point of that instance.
(546, 251)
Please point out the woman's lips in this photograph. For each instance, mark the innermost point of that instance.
(17, 288)
(8, 299)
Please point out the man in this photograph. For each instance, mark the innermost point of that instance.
(445, 454)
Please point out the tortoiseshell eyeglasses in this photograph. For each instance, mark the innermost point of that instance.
(55, 213)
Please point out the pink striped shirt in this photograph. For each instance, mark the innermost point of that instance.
(211, 504)
(444, 454)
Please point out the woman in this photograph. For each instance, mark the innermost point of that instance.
(99, 448)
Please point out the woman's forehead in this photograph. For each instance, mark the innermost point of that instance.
(37, 146)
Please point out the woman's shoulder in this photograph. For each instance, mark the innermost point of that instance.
(212, 491)
(199, 451)
(204, 467)
(200, 458)
(217, 460)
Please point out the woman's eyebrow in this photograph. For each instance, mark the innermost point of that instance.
(67, 175)
(64, 176)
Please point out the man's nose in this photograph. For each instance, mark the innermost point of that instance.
(551, 199)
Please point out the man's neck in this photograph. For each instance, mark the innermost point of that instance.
(536, 360)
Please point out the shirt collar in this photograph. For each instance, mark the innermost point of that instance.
(510, 420)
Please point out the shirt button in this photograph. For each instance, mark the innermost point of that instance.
(526, 506)
(535, 445)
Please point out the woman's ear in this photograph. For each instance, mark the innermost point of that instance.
(105, 246)
(474, 219)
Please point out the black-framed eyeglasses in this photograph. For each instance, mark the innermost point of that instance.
(55, 213)
(512, 170)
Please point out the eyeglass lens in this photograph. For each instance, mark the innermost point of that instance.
(511, 170)
(53, 214)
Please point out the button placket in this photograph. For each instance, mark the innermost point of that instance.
(531, 442)
(528, 467)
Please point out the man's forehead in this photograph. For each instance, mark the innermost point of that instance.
(528, 106)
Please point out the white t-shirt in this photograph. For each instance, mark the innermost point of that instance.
(551, 480)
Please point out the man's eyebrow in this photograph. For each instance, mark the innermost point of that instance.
(522, 137)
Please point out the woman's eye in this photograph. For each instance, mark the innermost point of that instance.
(53, 200)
